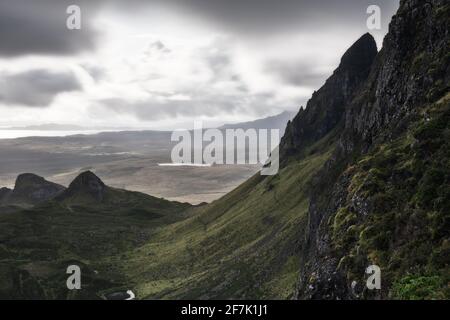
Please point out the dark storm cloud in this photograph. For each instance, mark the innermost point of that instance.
(39, 27)
(268, 16)
(36, 88)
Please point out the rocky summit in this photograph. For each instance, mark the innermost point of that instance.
(325, 109)
(88, 185)
(33, 189)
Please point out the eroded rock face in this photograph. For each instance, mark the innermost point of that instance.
(325, 109)
(32, 189)
(412, 69)
(4, 194)
(410, 72)
(86, 184)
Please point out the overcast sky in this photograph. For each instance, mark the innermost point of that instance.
(163, 63)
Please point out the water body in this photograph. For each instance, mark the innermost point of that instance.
(183, 165)
(121, 295)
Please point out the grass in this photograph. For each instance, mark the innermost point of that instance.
(244, 245)
(37, 245)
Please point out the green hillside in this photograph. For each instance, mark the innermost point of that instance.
(37, 245)
(244, 245)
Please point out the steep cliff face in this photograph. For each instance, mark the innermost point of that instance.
(325, 109)
(411, 70)
(382, 198)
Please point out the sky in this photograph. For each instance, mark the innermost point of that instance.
(161, 64)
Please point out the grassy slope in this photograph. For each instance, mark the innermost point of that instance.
(37, 245)
(244, 245)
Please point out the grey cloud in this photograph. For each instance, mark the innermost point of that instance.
(97, 73)
(153, 109)
(271, 16)
(36, 88)
(159, 46)
(156, 49)
(219, 60)
(297, 73)
(39, 27)
(219, 63)
(268, 16)
(211, 105)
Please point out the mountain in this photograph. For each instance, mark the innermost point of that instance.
(382, 196)
(278, 121)
(4, 192)
(30, 189)
(325, 109)
(275, 122)
(87, 186)
(364, 180)
(77, 227)
(127, 160)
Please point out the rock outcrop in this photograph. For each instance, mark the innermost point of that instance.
(353, 194)
(86, 186)
(324, 111)
(30, 189)
(4, 194)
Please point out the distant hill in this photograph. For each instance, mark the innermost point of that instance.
(275, 122)
(63, 127)
(30, 189)
(278, 121)
(87, 225)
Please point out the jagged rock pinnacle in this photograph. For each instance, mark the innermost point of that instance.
(88, 183)
(34, 189)
(361, 54)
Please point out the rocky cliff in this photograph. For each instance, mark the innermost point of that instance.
(324, 111)
(382, 197)
(30, 189)
(87, 186)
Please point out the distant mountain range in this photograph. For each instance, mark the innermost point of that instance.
(62, 127)
(274, 122)
(278, 121)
